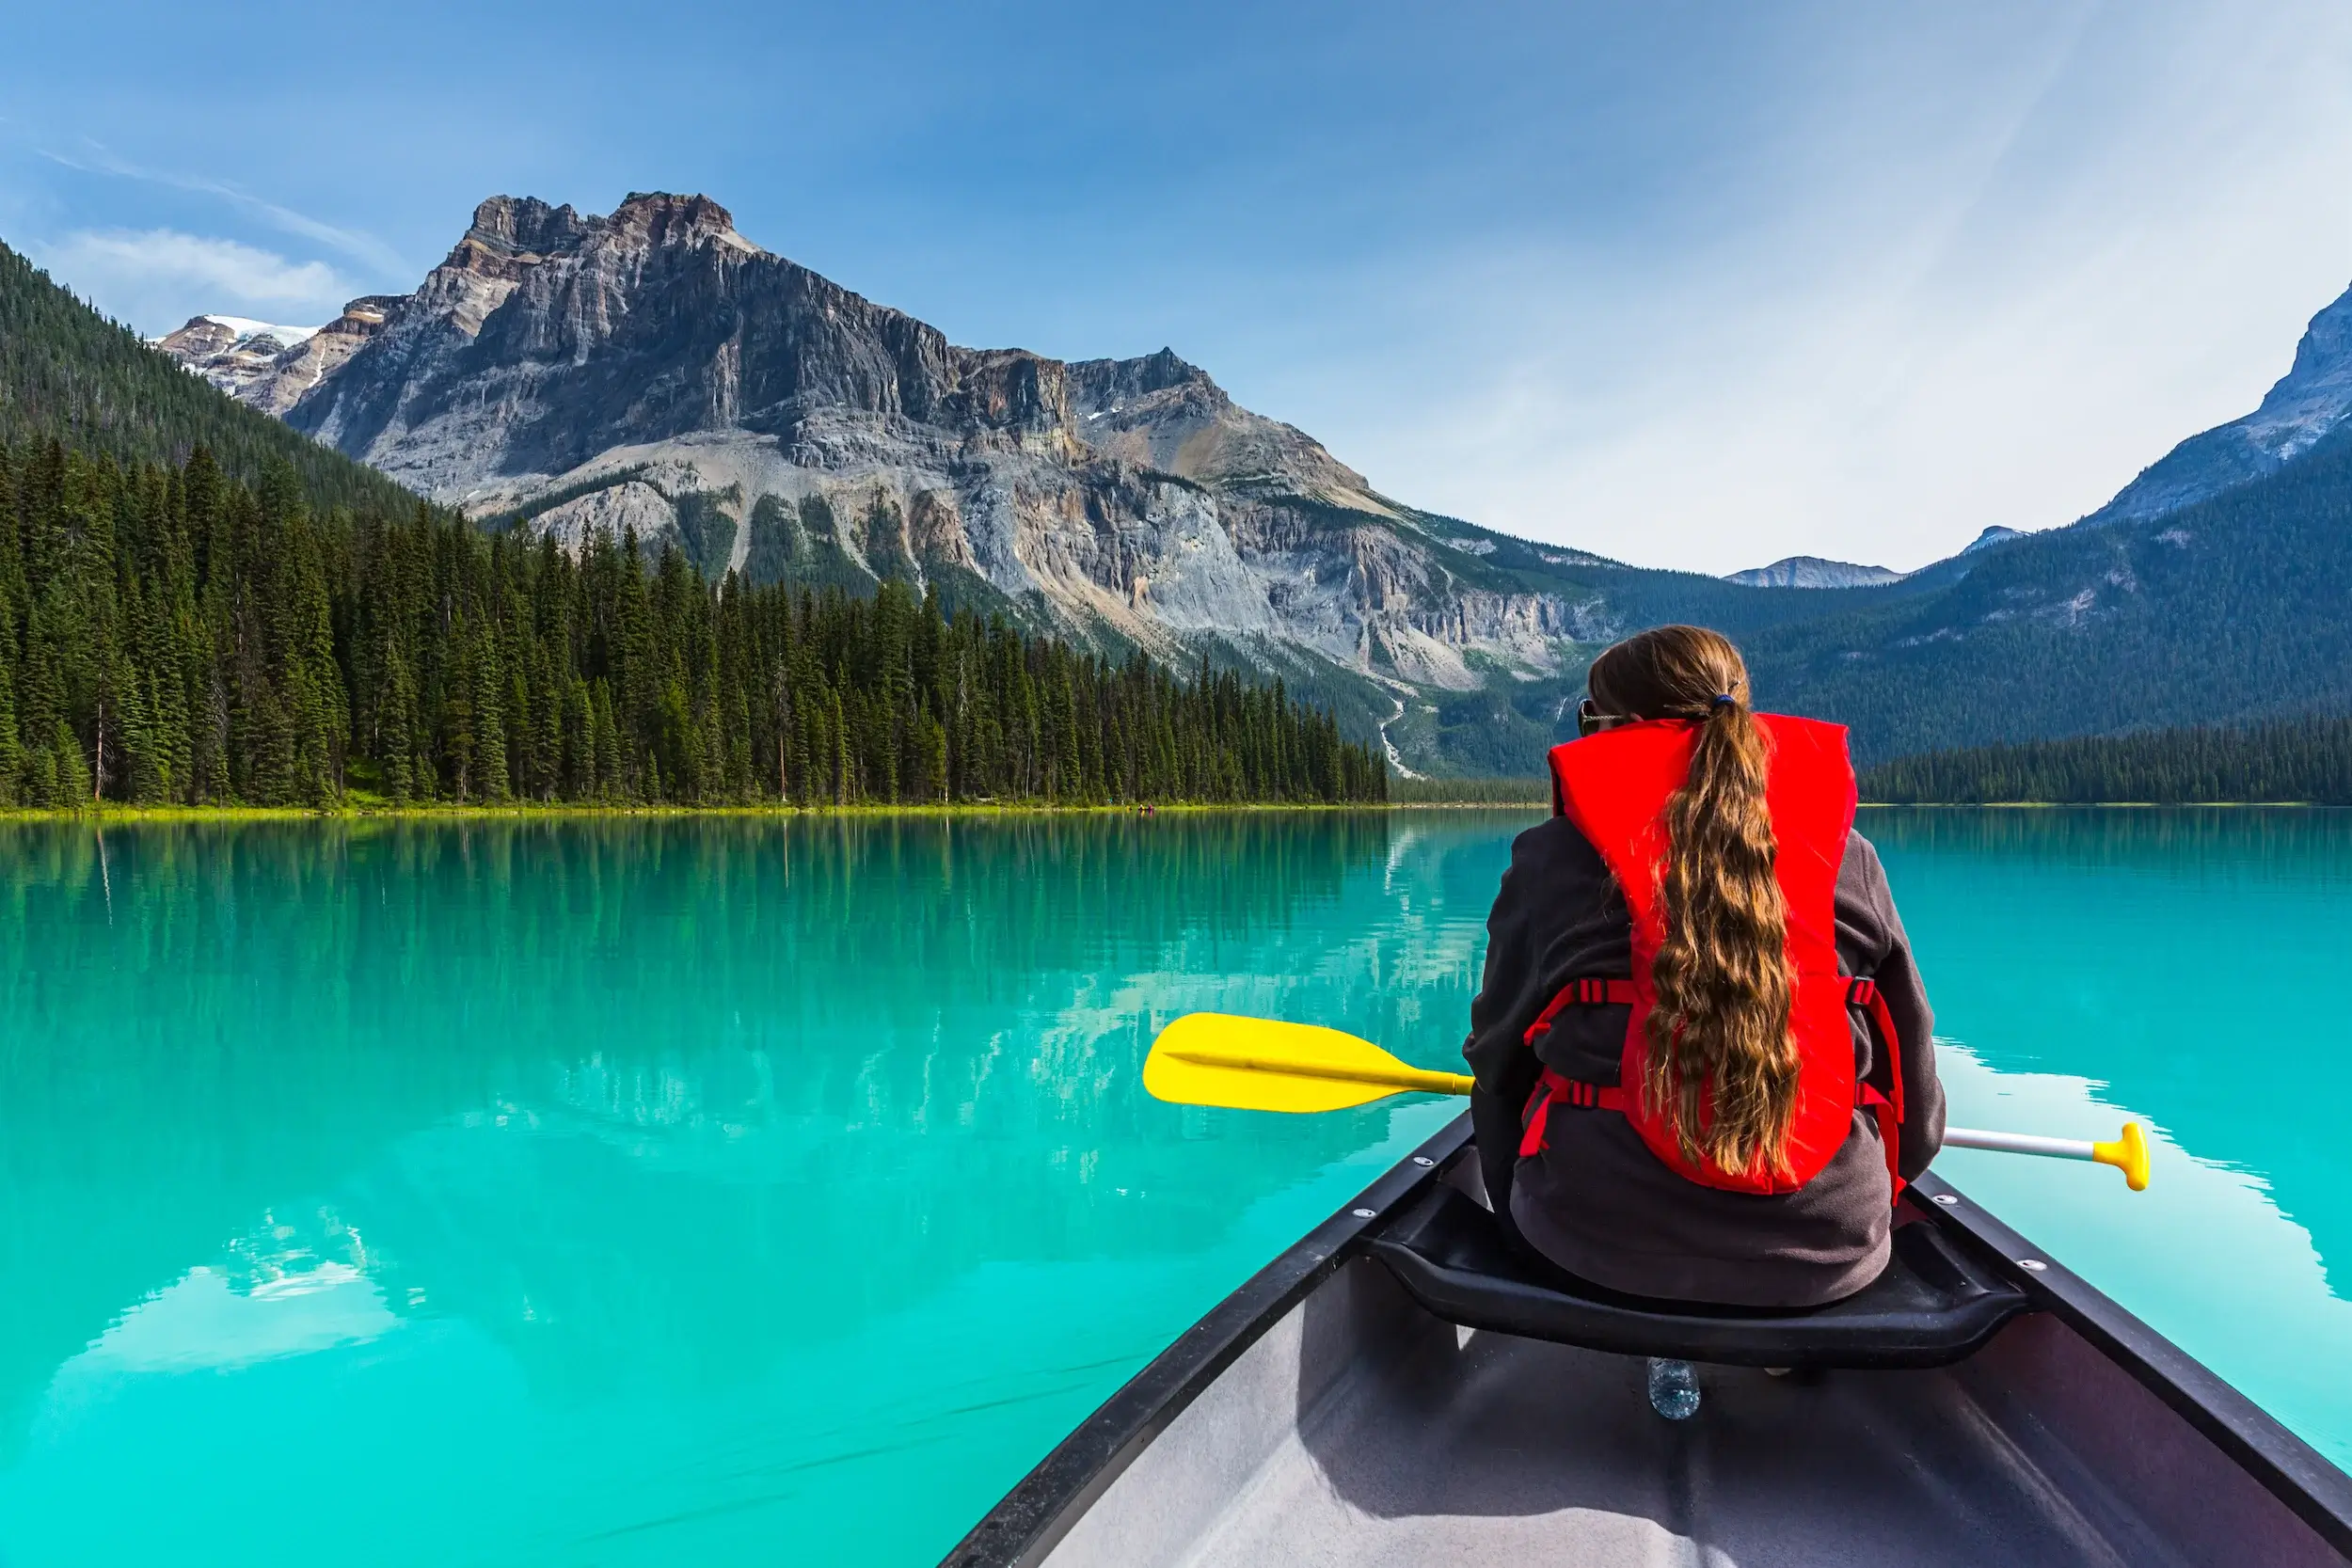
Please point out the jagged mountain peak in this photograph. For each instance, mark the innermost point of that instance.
(1106, 385)
(659, 217)
(2303, 405)
(2316, 391)
(517, 227)
(568, 372)
(1162, 412)
(523, 229)
(561, 335)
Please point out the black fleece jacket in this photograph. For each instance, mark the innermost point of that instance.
(1597, 1202)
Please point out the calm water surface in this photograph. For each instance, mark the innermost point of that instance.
(612, 1193)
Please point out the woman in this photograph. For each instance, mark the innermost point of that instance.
(1702, 1053)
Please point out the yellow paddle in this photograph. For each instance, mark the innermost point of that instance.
(1257, 1064)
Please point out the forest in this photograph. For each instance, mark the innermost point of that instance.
(2289, 760)
(201, 606)
(67, 373)
(170, 635)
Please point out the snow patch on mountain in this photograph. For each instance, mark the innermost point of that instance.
(245, 328)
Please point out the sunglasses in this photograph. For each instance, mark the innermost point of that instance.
(1590, 720)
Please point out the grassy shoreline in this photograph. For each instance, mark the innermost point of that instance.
(2098, 805)
(110, 813)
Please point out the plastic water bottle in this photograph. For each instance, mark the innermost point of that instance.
(1673, 1388)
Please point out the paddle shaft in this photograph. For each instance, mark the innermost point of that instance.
(2020, 1142)
(1326, 1057)
(1406, 1078)
(2127, 1151)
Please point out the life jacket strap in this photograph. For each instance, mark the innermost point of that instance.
(1586, 991)
(1553, 1088)
(1863, 995)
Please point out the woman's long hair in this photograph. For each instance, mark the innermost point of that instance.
(1722, 1056)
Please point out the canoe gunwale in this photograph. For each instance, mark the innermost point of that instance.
(1040, 1508)
(2289, 1468)
(1023, 1530)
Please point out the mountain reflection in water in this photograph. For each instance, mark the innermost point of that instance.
(661, 1119)
(632, 1191)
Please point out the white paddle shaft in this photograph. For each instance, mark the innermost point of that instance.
(2019, 1143)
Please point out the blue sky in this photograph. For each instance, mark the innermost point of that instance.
(1692, 284)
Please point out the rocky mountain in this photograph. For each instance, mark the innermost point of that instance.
(235, 353)
(2212, 588)
(1812, 571)
(2307, 402)
(655, 369)
(273, 368)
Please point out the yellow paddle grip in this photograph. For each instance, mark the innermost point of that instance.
(2128, 1153)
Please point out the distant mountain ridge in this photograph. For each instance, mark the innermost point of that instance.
(2213, 588)
(2225, 609)
(1812, 571)
(1990, 537)
(273, 368)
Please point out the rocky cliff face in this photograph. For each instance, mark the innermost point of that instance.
(2307, 402)
(654, 370)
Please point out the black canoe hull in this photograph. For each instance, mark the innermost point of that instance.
(1321, 1414)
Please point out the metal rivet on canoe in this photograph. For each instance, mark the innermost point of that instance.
(1423, 1160)
(1365, 1214)
(1946, 1199)
(2033, 1264)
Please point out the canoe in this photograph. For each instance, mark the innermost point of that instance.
(1392, 1390)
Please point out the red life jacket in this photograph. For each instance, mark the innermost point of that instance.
(1614, 787)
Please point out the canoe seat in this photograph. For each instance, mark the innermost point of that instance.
(1934, 1305)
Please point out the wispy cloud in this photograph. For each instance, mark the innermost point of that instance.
(356, 244)
(160, 277)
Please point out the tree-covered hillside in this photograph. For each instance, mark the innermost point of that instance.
(200, 606)
(2234, 608)
(2301, 760)
(172, 636)
(69, 374)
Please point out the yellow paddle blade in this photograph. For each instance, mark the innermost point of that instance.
(1256, 1064)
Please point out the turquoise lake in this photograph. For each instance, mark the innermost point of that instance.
(632, 1191)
